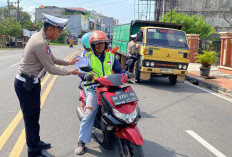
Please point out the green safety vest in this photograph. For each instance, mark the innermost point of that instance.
(98, 67)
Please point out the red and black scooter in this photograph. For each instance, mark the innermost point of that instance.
(118, 114)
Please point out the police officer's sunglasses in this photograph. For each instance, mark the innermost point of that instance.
(60, 28)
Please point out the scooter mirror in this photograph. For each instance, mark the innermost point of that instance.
(86, 68)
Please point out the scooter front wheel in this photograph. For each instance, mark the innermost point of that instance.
(131, 150)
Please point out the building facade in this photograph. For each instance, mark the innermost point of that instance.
(80, 20)
(218, 13)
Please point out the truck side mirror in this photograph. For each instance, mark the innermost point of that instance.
(139, 36)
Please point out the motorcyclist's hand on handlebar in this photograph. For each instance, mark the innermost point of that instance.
(88, 77)
(75, 72)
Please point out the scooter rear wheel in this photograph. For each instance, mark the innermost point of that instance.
(131, 149)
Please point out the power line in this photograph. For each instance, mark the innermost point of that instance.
(108, 3)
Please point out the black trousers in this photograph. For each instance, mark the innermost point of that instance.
(130, 67)
(30, 106)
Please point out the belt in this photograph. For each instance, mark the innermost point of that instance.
(36, 79)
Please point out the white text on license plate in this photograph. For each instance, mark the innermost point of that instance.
(164, 70)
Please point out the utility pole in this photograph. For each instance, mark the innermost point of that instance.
(171, 13)
(163, 10)
(8, 8)
(18, 15)
(16, 5)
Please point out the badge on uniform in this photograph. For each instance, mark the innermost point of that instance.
(47, 49)
(108, 62)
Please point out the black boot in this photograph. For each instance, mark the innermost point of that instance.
(43, 145)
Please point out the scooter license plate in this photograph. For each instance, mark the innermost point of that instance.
(124, 98)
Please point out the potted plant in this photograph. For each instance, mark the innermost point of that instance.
(206, 59)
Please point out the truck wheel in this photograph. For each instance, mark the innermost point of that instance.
(137, 72)
(172, 79)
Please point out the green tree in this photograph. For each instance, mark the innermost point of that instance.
(40, 25)
(63, 36)
(191, 24)
(3, 12)
(10, 27)
(25, 19)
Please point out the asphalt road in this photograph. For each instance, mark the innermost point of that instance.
(181, 120)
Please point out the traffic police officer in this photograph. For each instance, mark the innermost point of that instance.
(132, 51)
(37, 59)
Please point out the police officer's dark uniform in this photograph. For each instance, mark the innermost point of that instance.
(37, 59)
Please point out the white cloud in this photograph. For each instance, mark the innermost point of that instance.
(31, 10)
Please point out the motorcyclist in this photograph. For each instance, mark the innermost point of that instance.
(71, 42)
(85, 43)
(103, 63)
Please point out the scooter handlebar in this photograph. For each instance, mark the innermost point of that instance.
(89, 84)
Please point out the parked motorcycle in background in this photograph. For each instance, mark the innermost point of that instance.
(118, 114)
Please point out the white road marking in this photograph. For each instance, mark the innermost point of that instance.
(15, 64)
(209, 91)
(205, 144)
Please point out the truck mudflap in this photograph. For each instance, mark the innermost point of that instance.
(181, 78)
(145, 75)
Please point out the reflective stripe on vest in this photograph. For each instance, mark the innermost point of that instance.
(98, 67)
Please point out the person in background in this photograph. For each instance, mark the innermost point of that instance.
(131, 58)
(85, 43)
(71, 42)
(37, 59)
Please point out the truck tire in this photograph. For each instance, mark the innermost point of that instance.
(172, 79)
(137, 72)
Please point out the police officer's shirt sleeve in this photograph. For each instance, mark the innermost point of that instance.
(44, 55)
(59, 61)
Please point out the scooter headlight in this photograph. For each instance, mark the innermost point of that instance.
(128, 118)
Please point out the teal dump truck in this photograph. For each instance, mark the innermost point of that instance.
(163, 49)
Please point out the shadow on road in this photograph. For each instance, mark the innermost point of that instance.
(150, 149)
(145, 115)
(45, 152)
(154, 149)
(163, 84)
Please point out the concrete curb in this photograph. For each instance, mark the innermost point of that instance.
(210, 86)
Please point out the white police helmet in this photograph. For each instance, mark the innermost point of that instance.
(55, 21)
(134, 36)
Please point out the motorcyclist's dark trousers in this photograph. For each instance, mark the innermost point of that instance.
(30, 106)
(130, 65)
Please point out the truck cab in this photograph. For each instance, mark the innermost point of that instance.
(163, 52)
(163, 49)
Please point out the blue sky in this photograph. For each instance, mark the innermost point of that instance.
(119, 9)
